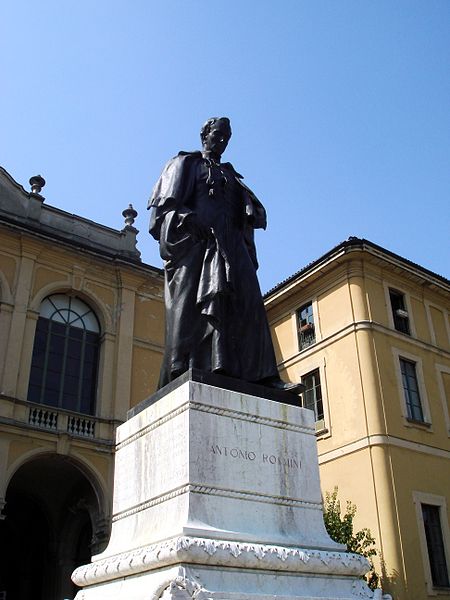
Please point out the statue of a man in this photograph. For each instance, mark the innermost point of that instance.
(204, 218)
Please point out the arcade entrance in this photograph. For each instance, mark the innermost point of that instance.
(47, 532)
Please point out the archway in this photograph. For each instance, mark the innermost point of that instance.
(47, 532)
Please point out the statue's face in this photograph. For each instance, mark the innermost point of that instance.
(217, 139)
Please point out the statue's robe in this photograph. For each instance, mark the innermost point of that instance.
(204, 219)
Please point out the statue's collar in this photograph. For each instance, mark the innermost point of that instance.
(194, 153)
(198, 154)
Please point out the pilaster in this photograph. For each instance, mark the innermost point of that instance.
(124, 349)
(370, 384)
(6, 312)
(18, 325)
(26, 354)
(105, 387)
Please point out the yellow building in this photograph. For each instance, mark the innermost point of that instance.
(368, 333)
(81, 334)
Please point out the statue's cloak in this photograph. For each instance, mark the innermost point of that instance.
(204, 219)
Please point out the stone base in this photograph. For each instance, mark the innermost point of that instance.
(207, 569)
(186, 582)
(217, 496)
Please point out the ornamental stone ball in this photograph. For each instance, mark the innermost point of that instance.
(37, 182)
(204, 217)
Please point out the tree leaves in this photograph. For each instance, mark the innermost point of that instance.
(340, 528)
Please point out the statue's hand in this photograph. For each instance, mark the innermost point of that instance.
(190, 223)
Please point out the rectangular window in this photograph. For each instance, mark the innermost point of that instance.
(411, 390)
(305, 324)
(435, 545)
(312, 396)
(399, 312)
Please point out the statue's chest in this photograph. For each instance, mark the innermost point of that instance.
(217, 195)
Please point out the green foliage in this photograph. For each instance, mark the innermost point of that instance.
(340, 529)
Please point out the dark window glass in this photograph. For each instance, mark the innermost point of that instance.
(90, 352)
(40, 340)
(312, 396)
(411, 390)
(36, 375)
(55, 360)
(435, 545)
(49, 397)
(53, 380)
(71, 402)
(74, 348)
(58, 329)
(305, 324)
(399, 312)
(72, 364)
(65, 355)
(41, 336)
(86, 396)
(34, 393)
(76, 333)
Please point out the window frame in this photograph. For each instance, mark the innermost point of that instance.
(401, 322)
(407, 420)
(315, 323)
(408, 369)
(442, 370)
(88, 338)
(419, 499)
(323, 426)
(388, 287)
(317, 384)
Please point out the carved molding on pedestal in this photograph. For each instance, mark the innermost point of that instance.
(220, 411)
(221, 553)
(215, 491)
(180, 588)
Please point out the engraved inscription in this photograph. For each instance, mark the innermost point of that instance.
(233, 452)
(288, 462)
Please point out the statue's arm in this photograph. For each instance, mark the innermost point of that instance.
(172, 222)
(249, 236)
(166, 196)
(255, 218)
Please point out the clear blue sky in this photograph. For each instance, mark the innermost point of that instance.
(340, 113)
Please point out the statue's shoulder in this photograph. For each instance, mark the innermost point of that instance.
(181, 161)
(184, 157)
(229, 166)
(176, 178)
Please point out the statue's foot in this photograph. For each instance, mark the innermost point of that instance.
(177, 373)
(283, 386)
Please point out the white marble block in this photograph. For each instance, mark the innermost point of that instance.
(217, 496)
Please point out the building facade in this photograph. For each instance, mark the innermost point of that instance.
(81, 337)
(368, 333)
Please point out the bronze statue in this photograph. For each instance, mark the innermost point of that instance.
(204, 218)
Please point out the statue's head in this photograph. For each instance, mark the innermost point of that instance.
(215, 135)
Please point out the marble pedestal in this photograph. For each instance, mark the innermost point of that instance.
(217, 496)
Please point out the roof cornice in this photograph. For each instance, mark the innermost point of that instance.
(343, 250)
(28, 212)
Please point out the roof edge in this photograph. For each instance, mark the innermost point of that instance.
(351, 244)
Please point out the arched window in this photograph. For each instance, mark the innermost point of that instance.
(65, 355)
